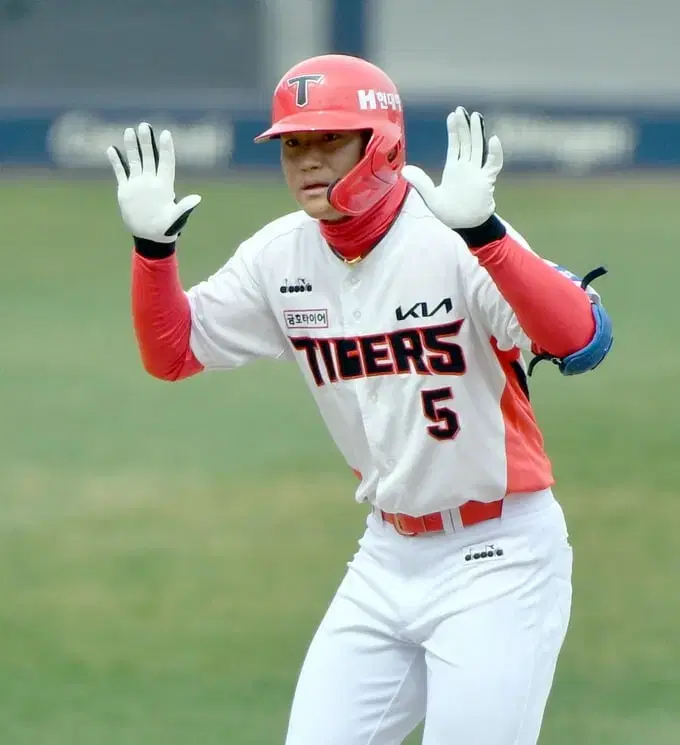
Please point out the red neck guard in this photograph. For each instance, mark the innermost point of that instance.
(354, 237)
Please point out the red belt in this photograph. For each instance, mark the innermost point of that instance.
(470, 514)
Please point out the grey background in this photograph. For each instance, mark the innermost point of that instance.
(199, 50)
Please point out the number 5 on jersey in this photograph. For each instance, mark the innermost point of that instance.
(445, 424)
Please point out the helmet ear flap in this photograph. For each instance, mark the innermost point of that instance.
(366, 135)
(373, 176)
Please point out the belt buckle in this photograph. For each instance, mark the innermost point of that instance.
(398, 526)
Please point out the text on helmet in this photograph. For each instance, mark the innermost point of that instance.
(372, 100)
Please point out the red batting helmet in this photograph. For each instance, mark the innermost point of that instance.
(339, 92)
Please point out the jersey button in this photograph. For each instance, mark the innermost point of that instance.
(357, 314)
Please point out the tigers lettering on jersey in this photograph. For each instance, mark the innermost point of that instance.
(424, 351)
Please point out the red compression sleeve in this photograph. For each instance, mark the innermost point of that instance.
(554, 313)
(162, 318)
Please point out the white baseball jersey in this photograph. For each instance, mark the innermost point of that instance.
(412, 356)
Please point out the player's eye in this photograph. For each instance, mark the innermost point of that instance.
(331, 137)
(291, 142)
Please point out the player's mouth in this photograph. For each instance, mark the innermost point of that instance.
(315, 188)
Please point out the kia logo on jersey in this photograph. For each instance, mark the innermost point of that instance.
(422, 310)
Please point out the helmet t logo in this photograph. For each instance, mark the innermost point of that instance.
(301, 83)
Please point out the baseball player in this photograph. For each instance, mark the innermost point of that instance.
(409, 308)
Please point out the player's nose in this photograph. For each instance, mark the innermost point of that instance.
(311, 158)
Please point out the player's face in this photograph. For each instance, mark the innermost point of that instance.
(313, 160)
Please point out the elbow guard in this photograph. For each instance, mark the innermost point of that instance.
(593, 353)
(596, 350)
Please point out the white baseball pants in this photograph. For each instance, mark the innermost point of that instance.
(418, 631)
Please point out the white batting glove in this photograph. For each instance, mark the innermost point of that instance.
(465, 197)
(146, 185)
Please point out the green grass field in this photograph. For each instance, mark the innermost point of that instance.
(167, 550)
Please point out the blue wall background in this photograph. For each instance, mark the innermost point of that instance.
(64, 98)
